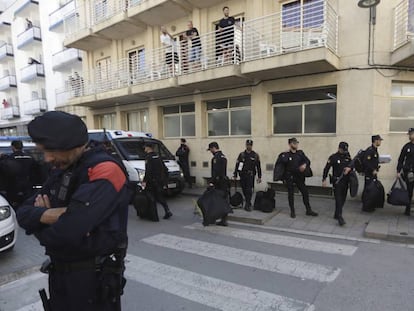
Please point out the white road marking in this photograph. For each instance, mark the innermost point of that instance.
(212, 292)
(295, 268)
(26, 279)
(283, 240)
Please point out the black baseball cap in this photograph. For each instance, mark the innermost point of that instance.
(376, 137)
(183, 140)
(343, 145)
(58, 130)
(411, 130)
(213, 145)
(249, 142)
(293, 140)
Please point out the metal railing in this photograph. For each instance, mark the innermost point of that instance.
(66, 56)
(132, 3)
(105, 9)
(32, 71)
(29, 35)
(6, 50)
(57, 16)
(7, 82)
(35, 106)
(403, 23)
(11, 112)
(292, 30)
(74, 22)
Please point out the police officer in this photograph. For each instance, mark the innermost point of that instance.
(219, 179)
(405, 167)
(183, 153)
(156, 177)
(247, 165)
(341, 164)
(296, 164)
(80, 216)
(370, 163)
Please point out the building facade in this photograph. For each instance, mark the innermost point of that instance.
(323, 71)
(35, 67)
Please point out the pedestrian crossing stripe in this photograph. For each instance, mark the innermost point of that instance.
(286, 266)
(276, 239)
(212, 292)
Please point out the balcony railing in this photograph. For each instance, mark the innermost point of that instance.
(6, 50)
(290, 31)
(74, 22)
(29, 35)
(24, 6)
(7, 82)
(403, 23)
(132, 3)
(105, 9)
(35, 106)
(11, 112)
(31, 72)
(66, 57)
(56, 18)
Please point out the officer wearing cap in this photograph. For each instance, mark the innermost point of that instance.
(341, 163)
(219, 179)
(80, 216)
(296, 164)
(247, 165)
(405, 167)
(156, 177)
(183, 153)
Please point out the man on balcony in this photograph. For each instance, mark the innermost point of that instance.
(169, 44)
(195, 52)
(225, 36)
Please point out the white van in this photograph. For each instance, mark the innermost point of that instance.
(129, 148)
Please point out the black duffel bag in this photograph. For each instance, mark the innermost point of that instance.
(145, 205)
(373, 196)
(265, 201)
(214, 205)
(353, 184)
(236, 199)
(398, 194)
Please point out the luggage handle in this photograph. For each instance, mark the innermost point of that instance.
(401, 182)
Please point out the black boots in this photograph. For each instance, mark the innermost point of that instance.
(248, 206)
(292, 212)
(407, 211)
(168, 213)
(222, 222)
(341, 221)
(309, 212)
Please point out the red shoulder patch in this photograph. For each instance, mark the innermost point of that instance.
(110, 172)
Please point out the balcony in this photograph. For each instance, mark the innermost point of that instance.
(35, 106)
(65, 59)
(11, 112)
(7, 82)
(30, 35)
(24, 7)
(79, 35)
(109, 19)
(32, 72)
(215, 64)
(289, 43)
(154, 12)
(56, 18)
(6, 52)
(403, 49)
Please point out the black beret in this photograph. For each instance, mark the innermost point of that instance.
(58, 130)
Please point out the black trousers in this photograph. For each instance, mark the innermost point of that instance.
(299, 181)
(247, 185)
(185, 167)
(157, 192)
(78, 291)
(340, 192)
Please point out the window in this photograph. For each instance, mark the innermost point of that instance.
(106, 121)
(229, 117)
(311, 111)
(308, 13)
(179, 120)
(402, 107)
(136, 64)
(138, 121)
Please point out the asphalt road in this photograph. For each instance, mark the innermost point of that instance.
(179, 265)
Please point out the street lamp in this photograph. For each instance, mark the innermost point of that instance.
(368, 3)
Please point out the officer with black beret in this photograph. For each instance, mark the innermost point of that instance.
(405, 167)
(297, 164)
(341, 163)
(156, 177)
(247, 166)
(219, 179)
(80, 216)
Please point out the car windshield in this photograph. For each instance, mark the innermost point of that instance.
(133, 149)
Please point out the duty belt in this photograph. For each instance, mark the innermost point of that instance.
(84, 265)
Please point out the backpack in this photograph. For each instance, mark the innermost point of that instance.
(265, 201)
(359, 161)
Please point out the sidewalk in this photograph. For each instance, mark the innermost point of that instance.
(385, 224)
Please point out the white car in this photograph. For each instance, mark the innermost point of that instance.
(8, 225)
